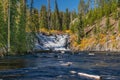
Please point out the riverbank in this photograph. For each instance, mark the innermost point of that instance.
(89, 53)
(101, 42)
(66, 43)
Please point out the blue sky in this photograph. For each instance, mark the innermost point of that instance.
(62, 4)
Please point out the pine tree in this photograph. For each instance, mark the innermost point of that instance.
(36, 20)
(21, 34)
(53, 21)
(58, 23)
(49, 15)
(80, 28)
(31, 36)
(107, 24)
(100, 4)
(83, 7)
(3, 29)
(61, 14)
(66, 20)
(43, 17)
(13, 24)
(73, 15)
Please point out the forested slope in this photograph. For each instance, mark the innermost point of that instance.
(94, 26)
(101, 28)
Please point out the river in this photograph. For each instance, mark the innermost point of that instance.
(52, 66)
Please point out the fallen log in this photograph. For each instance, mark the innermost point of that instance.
(96, 77)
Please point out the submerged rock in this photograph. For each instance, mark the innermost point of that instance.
(67, 64)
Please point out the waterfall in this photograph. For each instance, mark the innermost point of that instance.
(52, 42)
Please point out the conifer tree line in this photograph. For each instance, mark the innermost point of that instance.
(15, 19)
(55, 20)
(25, 21)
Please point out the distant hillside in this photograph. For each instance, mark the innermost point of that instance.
(102, 41)
(103, 34)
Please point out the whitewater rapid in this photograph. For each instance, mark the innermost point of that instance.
(52, 42)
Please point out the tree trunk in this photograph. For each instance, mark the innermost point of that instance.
(9, 26)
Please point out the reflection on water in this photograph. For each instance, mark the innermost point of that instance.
(50, 66)
(6, 64)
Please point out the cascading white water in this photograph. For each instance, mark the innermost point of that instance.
(52, 42)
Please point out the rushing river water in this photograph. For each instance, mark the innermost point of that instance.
(52, 66)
